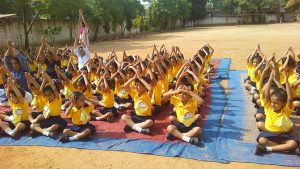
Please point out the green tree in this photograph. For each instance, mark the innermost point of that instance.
(164, 13)
(295, 6)
(198, 9)
(52, 31)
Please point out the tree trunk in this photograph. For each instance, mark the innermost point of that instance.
(96, 32)
(26, 45)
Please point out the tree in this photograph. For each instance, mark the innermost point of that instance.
(164, 13)
(7, 6)
(295, 6)
(52, 31)
(198, 9)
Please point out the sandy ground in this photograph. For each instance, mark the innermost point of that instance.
(235, 42)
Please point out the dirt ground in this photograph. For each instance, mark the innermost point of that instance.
(235, 42)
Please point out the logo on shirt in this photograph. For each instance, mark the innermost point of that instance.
(187, 115)
(19, 111)
(123, 91)
(46, 111)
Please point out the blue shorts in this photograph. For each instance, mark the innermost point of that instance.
(81, 128)
(26, 122)
(36, 114)
(123, 101)
(157, 109)
(183, 129)
(64, 100)
(52, 120)
(277, 138)
(104, 110)
(140, 119)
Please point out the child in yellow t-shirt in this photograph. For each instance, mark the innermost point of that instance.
(141, 117)
(278, 108)
(79, 111)
(38, 100)
(19, 121)
(294, 82)
(50, 121)
(184, 121)
(107, 110)
(253, 60)
(123, 100)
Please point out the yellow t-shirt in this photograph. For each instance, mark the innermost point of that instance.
(272, 117)
(170, 75)
(249, 68)
(38, 102)
(93, 77)
(52, 108)
(19, 111)
(289, 73)
(176, 68)
(81, 116)
(197, 88)
(257, 79)
(88, 93)
(68, 90)
(156, 95)
(262, 100)
(107, 98)
(32, 67)
(251, 73)
(295, 90)
(120, 91)
(64, 63)
(185, 113)
(142, 104)
(164, 85)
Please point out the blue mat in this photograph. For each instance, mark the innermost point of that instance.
(207, 152)
(222, 72)
(230, 144)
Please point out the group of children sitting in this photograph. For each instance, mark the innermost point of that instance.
(275, 87)
(45, 87)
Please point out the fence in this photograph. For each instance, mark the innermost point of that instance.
(12, 28)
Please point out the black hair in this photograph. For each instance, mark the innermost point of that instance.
(189, 85)
(125, 64)
(114, 64)
(201, 53)
(48, 88)
(198, 60)
(163, 68)
(168, 64)
(257, 56)
(297, 68)
(110, 83)
(146, 78)
(206, 49)
(155, 76)
(281, 94)
(76, 95)
(291, 62)
(16, 59)
(57, 84)
(130, 58)
(69, 75)
(81, 80)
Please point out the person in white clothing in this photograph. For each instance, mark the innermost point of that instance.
(83, 54)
